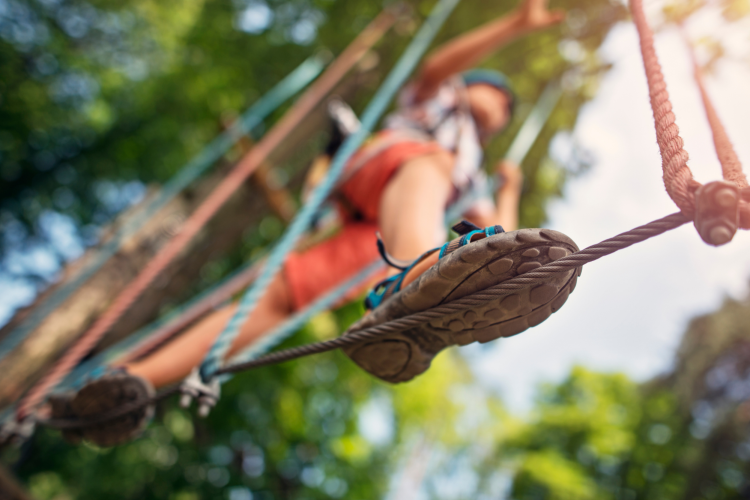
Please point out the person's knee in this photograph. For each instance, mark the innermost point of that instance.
(427, 176)
(438, 165)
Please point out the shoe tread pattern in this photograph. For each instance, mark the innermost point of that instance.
(105, 394)
(468, 270)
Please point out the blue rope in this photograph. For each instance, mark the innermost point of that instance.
(97, 365)
(298, 320)
(299, 225)
(289, 86)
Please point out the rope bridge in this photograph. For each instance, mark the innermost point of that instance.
(717, 209)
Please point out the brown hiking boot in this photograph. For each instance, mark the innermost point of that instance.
(100, 396)
(477, 260)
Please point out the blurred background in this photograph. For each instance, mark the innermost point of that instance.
(636, 389)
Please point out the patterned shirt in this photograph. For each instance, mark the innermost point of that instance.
(446, 119)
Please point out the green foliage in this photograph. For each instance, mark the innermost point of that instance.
(580, 429)
(680, 437)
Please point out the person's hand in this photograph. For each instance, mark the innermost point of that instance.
(534, 15)
(510, 175)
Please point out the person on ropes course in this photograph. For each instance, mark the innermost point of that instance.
(399, 184)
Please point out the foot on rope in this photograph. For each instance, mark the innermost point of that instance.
(478, 259)
(100, 396)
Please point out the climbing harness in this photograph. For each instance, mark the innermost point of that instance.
(715, 205)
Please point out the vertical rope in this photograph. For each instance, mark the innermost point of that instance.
(678, 179)
(208, 208)
(731, 167)
(370, 117)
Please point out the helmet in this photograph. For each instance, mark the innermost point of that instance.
(493, 78)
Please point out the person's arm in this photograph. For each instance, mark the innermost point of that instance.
(467, 50)
(505, 210)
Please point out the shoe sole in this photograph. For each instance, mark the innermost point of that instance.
(470, 269)
(107, 393)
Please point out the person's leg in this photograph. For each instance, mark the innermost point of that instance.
(412, 209)
(174, 361)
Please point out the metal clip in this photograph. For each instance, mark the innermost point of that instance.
(717, 212)
(207, 394)
(16, 431)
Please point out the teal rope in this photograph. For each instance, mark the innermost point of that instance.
(97, 365)
(298, 320)
(289, 86)
(299, 225)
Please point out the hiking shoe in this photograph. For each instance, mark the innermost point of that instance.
(100, 396)
(477, 260)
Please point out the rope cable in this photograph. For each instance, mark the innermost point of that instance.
(297, 321)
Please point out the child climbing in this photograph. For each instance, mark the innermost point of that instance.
(399, 184)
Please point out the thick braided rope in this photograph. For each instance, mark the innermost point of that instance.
(274, 138)
(538, 276)
(730, 163)
(289, 86)
(678, 179)
(731, 167)
(299, 225)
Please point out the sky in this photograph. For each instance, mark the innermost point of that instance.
(630, 309)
